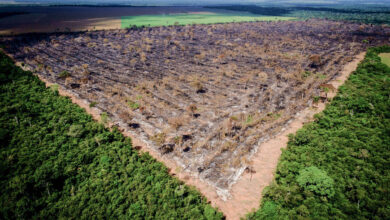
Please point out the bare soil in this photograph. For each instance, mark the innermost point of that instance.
(34, 19)
(204, 99)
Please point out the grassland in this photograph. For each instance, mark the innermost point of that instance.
(338, 166)
(385, 57)
(192, 18)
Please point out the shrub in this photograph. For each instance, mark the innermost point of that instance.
(133, 105)
(92, 104)
(64, 74)
(316, 99)
(104, 118)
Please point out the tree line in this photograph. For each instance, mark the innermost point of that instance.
(366, 14)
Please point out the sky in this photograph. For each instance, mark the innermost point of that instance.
(190, 2)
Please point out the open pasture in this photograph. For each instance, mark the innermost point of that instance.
(194, 18)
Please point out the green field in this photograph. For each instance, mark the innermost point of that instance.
(385, 57)
(184, 19)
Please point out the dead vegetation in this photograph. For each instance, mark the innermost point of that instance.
(205, 95)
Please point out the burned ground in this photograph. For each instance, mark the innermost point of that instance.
(205, 96)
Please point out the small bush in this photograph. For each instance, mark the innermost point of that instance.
(316, 99)
(54, 88)
(306, 74)
(133, 105)
(104, 118)
(64, 74)
(159, 138)
(92, 104)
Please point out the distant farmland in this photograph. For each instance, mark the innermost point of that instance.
(194, 18)
(77, 18)
(18, 20)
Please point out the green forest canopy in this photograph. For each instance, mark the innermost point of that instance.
(366, 14)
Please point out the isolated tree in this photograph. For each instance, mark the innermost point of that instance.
(317, 181)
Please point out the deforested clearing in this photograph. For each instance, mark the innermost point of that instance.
(204, 96)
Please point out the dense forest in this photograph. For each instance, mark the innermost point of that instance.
(56, 162)
(339, 165)
(369, 15)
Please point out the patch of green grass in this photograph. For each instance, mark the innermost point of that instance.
(184, 19)
(306, 74)
(249, 119)
(133, 105)
(321, 76)
(385, 57)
